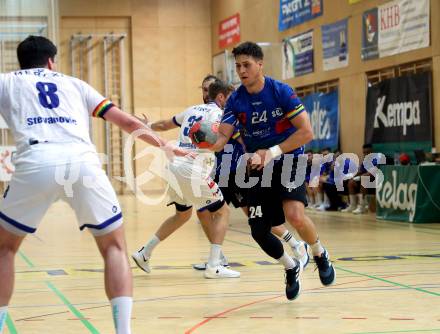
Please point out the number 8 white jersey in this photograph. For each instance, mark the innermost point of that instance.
(46, 107)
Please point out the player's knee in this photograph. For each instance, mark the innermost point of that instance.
(183, 216)
(295, 218)
(258, 232)
(7, 250)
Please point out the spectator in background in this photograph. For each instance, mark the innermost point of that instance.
(329, 185)
(357, 193)
(404, 159)
(322, 200)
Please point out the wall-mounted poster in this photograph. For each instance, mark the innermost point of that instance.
(395, 27)
(298, 55)
(335, 45)
(323, 110)
(229, 31)
(294, 12)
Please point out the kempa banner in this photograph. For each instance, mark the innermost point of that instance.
(397, 26)
(399, 113)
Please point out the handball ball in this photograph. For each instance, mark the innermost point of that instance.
(203, 134)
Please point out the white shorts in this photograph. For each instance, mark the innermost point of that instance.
(84, 186)
(191, 185)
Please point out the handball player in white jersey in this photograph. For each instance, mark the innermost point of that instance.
(191, 184)
(49, 116)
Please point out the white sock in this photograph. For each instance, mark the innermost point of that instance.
(150, 245)
(320, 198)
(360, 199)
(326, 199)
(121, 309)
(214, 255)
(312, 200)
(287, 261)
(317, 248)
(3, 315)
(290, 239)
(353, 200)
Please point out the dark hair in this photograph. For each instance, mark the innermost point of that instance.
(248, 49)
(367, 146)
(218, 87)
(35, 51)
(210, 77)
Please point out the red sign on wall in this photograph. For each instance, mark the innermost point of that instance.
(229, 31)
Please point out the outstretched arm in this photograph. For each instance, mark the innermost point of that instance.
(162, 125)
(130, 124)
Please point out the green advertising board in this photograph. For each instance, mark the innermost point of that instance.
(409, 193)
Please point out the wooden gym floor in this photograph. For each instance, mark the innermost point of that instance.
(388, 280)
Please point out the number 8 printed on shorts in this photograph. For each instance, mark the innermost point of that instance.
(47, 96)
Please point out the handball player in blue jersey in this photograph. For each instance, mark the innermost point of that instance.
(273, 123)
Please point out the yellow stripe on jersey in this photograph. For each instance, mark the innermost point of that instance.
(236, 135)
(295, 112)
(102, 108)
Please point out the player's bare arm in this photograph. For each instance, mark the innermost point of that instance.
(300, 137)
(224, 134)
(162, 125)
(129, 124)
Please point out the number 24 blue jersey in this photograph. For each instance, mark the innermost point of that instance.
(264, 118)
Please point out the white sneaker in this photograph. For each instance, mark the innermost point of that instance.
(321, 207)
(220, 272)
(141, 261)
(301, 254)
(202, 266)
(359, 210)
(348, 209)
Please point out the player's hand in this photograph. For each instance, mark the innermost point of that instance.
(172, 151)
(258, 160)
(144, 119)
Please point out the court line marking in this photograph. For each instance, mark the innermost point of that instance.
(389, 282)
(63, 298)
(401, 331)
(10, 324)
(215, 316)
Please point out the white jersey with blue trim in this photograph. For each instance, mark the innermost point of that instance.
(186, 119)
(44, 107)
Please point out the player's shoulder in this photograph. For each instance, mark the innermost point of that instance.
(278, 86)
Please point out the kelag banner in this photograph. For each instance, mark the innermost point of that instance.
(335, 45)
(409, 193)
(298, 55)
(323, 110)
(398, 114)
(395, 27)
(294, 12)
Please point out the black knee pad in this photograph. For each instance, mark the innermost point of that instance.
(269, 243)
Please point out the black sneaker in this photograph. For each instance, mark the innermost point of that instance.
(293, 284)
(327, 273)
